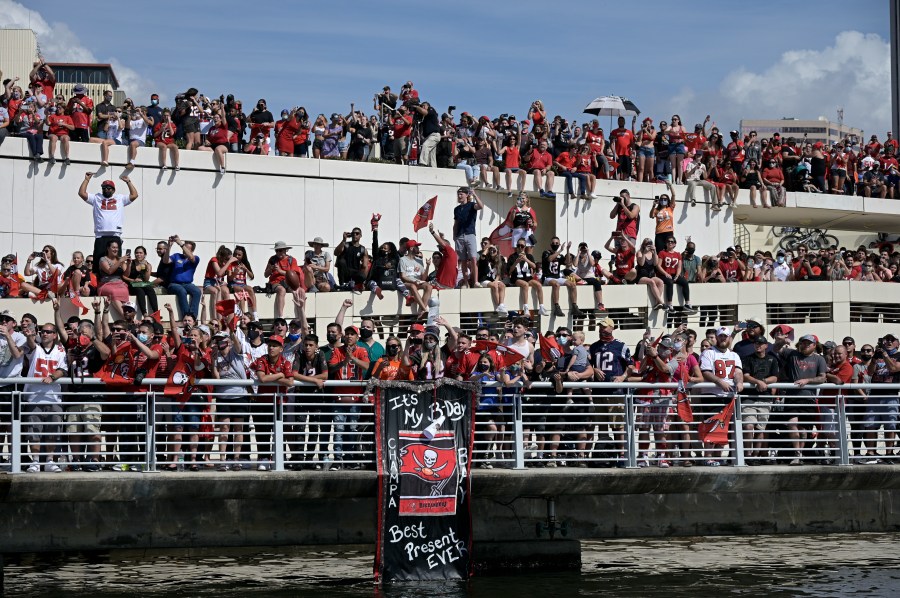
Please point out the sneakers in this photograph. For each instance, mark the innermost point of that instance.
(409, 300)
(577, 313)
(659, 306)
(601, 307)
(92, 466)
(52, 160)
(265, 465)
(713, 463)
(237, 467)
(551, 463)
(66, 161)
(501, 309)
(664, 464)
(136, 468)
(35, 467)
(223, 467)
(643, 463)
(525, 309)
(690, 308)
(378, 292)
(52, 467)
(120, 467)
(509, 194)
(557, 311)
(336, 466)
(693, 202)
(543, 310)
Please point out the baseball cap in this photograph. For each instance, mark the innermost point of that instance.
(830, 344)
(811, 338)
(761, 340)
(108, 183)
(412, 243)
(221, 335)
(784, 329)
(606, 322)
(204, 329)
(417, 328)
(5, 317)
(352, 329)
(276, 338)
(129, 305)
(849, 339)
(890, 338)
(752, 323)
(723, 331)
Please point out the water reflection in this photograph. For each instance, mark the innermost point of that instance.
(827, 565)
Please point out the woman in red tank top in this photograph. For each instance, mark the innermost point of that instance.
(217, 139)
(536, 113)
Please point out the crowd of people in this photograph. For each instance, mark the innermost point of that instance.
(404, 129)
(88, 427)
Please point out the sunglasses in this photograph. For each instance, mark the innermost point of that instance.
(482, 337)
(48, 332)
(118, 330)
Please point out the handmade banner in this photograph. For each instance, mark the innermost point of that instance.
(424, 433)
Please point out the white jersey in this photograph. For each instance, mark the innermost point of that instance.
(42, 364)
(109, 216)
(722, 364)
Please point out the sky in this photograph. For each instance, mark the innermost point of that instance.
(731, 60)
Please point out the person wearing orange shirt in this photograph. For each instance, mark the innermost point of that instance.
(663, 212)
(621, 140)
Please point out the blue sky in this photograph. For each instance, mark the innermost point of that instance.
(727, 59)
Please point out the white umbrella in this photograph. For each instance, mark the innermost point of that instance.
(606, 106)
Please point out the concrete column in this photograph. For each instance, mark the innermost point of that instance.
(895, 67)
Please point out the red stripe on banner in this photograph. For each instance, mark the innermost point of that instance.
(379, 467)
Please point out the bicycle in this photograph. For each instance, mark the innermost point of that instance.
(814, 238)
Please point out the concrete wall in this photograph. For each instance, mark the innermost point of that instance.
(106, 510)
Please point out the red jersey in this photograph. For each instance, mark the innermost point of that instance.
(461, 364)
(622, 139)
(844, 372)
(402, 126)
(623, 262)
(447, 271)
(583, 163)
(164, 133)
(119, 366)
(566, 160)
(348, 370)
(264, 366)
(670, 262)
(729, 270)
(284, 135)
(735, 151)
(594, 140)
(11, 285)
(627, 225)
(693, 142)
(82, 120)
(286, 263)
(218, 136)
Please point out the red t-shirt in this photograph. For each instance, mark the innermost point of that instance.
(566, 160)
(218, 136)
(12, 284)
(284, 135)
(844, 372)
(773, 175)
(302, 136)
(286, 263)
(447, 271)
(540, 160)
(402, 126)
(461, 365)
(693, 142)
(622, 140)
(82, 120)
(670, 261)
(583, 163)
(627, 225)
(735, 151)
(56, 122)
(595, 140)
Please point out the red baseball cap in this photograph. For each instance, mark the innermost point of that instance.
(417, 328)
(108, 183)
(352, 329)
(784, 329)
(412, 243)
(276, 338)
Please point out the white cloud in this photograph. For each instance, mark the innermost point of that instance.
(58, 43)
(853, 72)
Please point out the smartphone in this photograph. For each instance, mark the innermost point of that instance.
(742, 325)
(415, 341)
(127, 253)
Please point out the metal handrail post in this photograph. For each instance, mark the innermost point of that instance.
(15, 433)
(150, 431)
(630, 436)
(737, 417)
(843, 447)
(278, 436)
(518, 432)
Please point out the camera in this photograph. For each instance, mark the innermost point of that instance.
(415, 341)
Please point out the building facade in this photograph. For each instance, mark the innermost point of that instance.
(820, 129)
(18, 52)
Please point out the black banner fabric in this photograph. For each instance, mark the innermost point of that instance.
(424, 432)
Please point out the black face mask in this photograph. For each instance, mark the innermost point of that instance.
(365, 334)
(331, 337)
(483, 367)
(393, 350)
(554, 247)
(252, 334)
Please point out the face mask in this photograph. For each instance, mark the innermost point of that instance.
(679, 346)
(393, 350)
(483, 367)
(331, 337)
(143, 337)
(293, 337)
(520, 202)
(84, 340)
(365, 334)
(253, 334)
(430, 345)
(154, 102)
(563, 341)
(15, 95)
(555, 247)
(260, 106)
(606, 336)
(780, 259)
(663, 202)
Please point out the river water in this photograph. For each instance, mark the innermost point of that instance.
(823, 565)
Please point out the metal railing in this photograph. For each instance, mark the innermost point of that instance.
(236, 425)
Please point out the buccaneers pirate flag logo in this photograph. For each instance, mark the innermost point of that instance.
(428, 474)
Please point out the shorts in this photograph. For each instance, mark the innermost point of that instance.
(756, 413)
(839, 172)
(882, 410)
(189, 414)
(232, 406)
(318, 144)
(512, 168)
(646, 151)
(521, 234)
(44, 422)
(801, 407)
(653, 412)
(467, 247)
(140, 142)
(83, 418)
(594, 282)
(559, 281)
(301, 150)
(677, 149)
(210, 282)
(190, 124)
